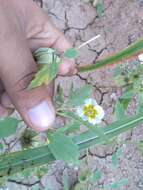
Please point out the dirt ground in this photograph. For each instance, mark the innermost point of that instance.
(121, 24)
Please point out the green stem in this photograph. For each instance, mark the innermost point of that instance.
(132, 50)
(17, 161)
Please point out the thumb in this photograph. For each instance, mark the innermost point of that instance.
(16, 71)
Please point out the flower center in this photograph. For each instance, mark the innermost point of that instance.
(90, 111)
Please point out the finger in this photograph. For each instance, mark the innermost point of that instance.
(49, 36)
(67, 67)
(16, 71)
(4, 112)
(6, 101)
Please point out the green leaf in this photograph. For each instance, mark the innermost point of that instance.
(93, 129)
(8, 126)
(53, 69)
(114, 160)
(18, 161)
(116, 156)
(120, 80)
(140, 103)
(100, 8)
(70, 127)
(50, 61)
(125, 102)
(140, 147)
(100, 132)
(41, 78)
(45, 55)
(126, 98)
(95, 177)
(77, 97)
(45, 75)
(122, 182)
(36, 187)
(119, 110)
(117, 71)
(84, 176)
(63, 148)
(127, 95)
(79, 186)
(27, 172)
(1, 146)
(47, 188)
(71, 53)
(59, 96)
(117, 185)
(65, 182)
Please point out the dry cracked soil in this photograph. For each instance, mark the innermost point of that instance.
(120, 25)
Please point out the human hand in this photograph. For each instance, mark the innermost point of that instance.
(25, 28)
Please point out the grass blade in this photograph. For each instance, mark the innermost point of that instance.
(15, 162)
(18, 161)
(8, 126)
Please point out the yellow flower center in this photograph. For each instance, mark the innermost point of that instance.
(89, 111)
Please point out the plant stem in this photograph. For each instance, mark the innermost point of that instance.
(66, 109)
(131, 51)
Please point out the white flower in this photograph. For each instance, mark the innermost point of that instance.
(140, 57)
(91, 111)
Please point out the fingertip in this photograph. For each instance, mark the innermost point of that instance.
(41, 116)
(5, 112)
(75, 71)
(6, 102)
(36, 108)
(67, 68)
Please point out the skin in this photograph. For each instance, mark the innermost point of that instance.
(25, 28)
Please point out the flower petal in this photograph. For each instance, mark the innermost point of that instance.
(94, 121)
(91, 121)
(84, 118)
(100, 112)
(140, 57)
(94, 102)
(79, 111)
(88, 101)
(98, 121)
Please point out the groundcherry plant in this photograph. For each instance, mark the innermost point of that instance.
(79, 108)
